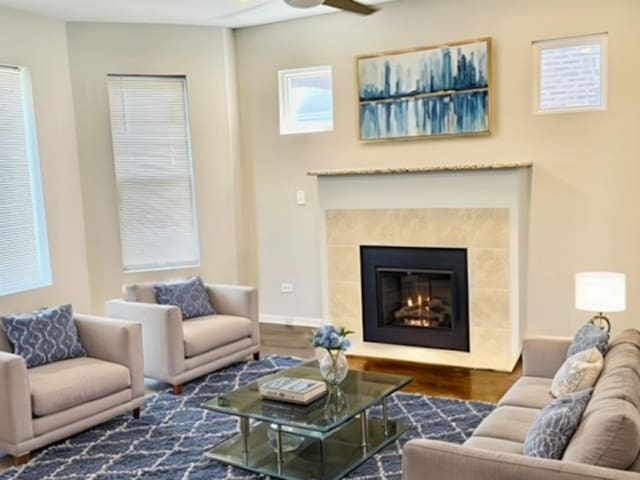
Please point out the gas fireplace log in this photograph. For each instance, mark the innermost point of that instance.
(413, 314)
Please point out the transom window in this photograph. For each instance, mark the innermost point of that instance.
(570, 74)
(306, 100)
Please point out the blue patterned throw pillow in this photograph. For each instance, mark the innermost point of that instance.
(44, 336)
(552, 430)
(189, 295)
(589, 336)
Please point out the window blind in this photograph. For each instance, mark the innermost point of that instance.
(152, 154)
(24, 253)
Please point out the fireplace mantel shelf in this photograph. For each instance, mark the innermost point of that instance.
(425, 169)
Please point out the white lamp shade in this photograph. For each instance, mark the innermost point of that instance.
(601, 291)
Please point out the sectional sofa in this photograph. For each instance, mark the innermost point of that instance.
(606, 444)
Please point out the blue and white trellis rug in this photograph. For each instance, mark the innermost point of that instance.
(169, 440)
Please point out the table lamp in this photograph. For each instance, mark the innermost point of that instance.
(601, 292)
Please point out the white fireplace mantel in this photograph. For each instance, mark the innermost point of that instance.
(455, 195)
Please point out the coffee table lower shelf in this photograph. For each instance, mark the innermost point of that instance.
(328, 459)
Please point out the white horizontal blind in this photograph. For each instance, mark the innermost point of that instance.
(149, 124)
(24, 253)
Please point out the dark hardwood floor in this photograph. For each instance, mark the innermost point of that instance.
(463, 383)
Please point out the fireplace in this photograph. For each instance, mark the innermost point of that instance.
(415, 296)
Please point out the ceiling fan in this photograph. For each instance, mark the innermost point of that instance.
(347, 5)
(256, 5)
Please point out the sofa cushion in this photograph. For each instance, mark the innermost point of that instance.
(44, 336)
(203, 334)
(630, 336)
(508, 423)
(529, 392)
(617, 384)
(189, 295)
(578, 372)
(608, 436)
(623, 355)
(589, 336)
(62, 385)
(494, 444)
(553, 428)
(140, 292)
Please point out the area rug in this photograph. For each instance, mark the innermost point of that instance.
(169, 440)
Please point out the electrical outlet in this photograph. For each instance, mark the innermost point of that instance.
(301, 197)
(286, 287)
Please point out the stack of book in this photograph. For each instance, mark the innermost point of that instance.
(293, 390)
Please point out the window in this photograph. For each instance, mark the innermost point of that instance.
(152, 153)
(570, 74)
(24, 250)
(306, 100)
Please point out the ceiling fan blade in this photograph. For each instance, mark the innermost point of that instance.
(351, 6)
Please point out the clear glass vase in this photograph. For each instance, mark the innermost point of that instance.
(334, 367)
(335, 404)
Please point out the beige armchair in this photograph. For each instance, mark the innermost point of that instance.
(176, 350)
(44, 404)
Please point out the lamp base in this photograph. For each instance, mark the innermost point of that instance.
(602, 322)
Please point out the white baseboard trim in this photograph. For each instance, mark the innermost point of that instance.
(289, 320)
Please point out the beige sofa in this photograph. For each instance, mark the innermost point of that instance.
(609, 432)
(177, 351)
(44, 404)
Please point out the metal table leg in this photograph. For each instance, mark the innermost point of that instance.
(244, 434)
(364, 428)
(279, 454)
(385, 417)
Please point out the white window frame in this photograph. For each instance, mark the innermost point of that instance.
(539, 45)
(45, 278)
(288, 126)
(196, 224)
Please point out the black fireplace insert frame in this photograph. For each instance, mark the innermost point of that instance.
(454, 260)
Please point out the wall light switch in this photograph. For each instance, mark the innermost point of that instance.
(301, 197)
(286, 287)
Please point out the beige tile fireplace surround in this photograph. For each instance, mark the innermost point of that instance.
(489, 220)
(484, 232)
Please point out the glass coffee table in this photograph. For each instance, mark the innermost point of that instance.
(321, 441)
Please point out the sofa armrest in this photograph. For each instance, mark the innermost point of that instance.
(237, 300)
(432, 459)
(162, 335)
(115, 341)
(543, 356)
(15, 401)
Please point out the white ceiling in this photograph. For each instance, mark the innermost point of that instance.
(226, 13)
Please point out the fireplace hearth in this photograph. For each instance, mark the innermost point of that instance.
(415, 296)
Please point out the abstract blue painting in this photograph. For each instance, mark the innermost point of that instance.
(426, 92)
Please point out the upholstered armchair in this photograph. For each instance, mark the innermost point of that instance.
(44, 404)
(176, 350)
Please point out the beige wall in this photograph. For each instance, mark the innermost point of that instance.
(39, 44)
(584, 187)
(203, 55)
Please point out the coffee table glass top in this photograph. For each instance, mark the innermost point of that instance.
(358, 392)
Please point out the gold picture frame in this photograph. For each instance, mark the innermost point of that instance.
(428, 92)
